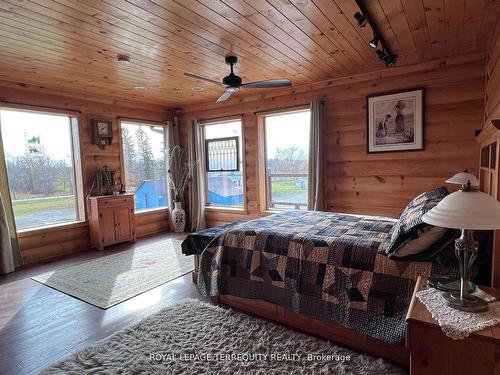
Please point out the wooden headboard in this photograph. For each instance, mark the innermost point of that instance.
(489, 140)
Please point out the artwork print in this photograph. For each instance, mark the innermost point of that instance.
(395, 122)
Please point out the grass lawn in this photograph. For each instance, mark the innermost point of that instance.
(283, 188)
(35, 205)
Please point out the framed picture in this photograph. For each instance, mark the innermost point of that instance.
(396, 122)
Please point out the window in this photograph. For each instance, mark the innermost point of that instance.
(144, 164)
(223, 154)
(40, 151)
(286, 159)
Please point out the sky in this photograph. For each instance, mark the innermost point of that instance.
(284, 130)
(53, 130)
(155, 136)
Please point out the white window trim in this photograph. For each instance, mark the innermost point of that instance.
(123, 170)
(262, 145)
(76, 159)
(220, 121)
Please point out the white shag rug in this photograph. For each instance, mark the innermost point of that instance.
(112, 279)
(197, 338)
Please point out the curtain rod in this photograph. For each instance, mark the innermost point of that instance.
(141, 120)
(221, 119)
(6, 103)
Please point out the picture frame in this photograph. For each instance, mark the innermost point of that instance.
(395, 121)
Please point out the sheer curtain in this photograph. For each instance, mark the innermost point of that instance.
(316, 170)
(197, 199)
(10, 254)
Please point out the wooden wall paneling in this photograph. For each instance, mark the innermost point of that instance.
(358, 182)
(147, 223)
(48, 243)
(43, 244)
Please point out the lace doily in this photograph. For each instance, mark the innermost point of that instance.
(455, 323)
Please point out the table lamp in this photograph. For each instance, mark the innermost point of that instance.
(467, 209)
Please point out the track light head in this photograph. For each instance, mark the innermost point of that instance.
(374, 42)
(381, 54)
(390, 60)
(361, 18)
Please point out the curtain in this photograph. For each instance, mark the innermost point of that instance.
(169, 141)
(10, 254)
(316, 158)
(197, 185)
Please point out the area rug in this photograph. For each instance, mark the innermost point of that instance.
(197, 338)
(112, 279)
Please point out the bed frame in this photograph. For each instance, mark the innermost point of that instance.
(314, 326)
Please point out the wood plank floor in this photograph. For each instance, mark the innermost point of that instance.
(40, 325)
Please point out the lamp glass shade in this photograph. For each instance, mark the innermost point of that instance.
(462, 178)
(472, 210)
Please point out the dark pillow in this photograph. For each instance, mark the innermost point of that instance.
(427, 251)
(410, 224)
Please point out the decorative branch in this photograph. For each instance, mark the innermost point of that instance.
(178, 172)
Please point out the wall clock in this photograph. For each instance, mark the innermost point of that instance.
(102, 132)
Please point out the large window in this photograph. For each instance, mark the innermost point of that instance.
(286, 161)
(145, 170)
(40, 152)
(224, 164)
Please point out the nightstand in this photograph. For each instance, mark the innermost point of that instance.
(432, 352)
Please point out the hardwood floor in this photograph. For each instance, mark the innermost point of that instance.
(40, 325)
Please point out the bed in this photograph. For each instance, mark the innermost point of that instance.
(328, 266)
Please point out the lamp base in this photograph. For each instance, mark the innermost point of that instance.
(469, 304)
(448, 284)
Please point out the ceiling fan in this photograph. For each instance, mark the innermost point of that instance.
(232, 82)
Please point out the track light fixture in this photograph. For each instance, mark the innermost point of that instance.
(374, 42)
(361, 18)
(388, 59)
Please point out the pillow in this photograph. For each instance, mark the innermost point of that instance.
(423, 238)
(410, 225)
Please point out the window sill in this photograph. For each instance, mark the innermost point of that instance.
(226, 209)
(151, 210)
(51, 228)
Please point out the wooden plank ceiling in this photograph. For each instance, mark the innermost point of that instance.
(72, 46)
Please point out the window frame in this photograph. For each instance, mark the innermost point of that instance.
(77, 175)
(220, 121)
(123, 173)
(262, 175)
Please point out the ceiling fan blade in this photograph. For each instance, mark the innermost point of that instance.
(270, 83)
(204, 79)
(224, 96)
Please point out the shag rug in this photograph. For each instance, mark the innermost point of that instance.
(197, 338)
(112, 279)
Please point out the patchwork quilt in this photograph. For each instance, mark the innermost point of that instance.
(318, 263)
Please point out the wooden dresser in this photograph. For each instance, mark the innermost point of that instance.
(111, 220)
(434, 353)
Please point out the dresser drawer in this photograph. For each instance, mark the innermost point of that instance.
(115, 201)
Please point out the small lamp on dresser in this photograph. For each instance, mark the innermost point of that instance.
(467, 209)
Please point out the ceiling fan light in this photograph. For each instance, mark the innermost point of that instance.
(361, 18)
